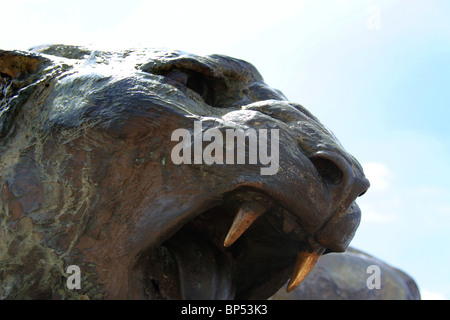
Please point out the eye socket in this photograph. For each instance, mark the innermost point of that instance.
(200, 84)
(194, 81)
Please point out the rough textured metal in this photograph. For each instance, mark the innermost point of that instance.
(86, 178)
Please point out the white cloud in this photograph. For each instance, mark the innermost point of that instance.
(378, 213)
(444, 210)
(379, 175)
(41, 22)
(197, 26)
(380, 205)
(430, 295)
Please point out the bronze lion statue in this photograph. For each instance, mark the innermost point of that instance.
(162, 175)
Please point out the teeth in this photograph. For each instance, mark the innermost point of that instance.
(303, 265)
(247, 214)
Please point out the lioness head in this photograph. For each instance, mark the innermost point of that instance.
(162, 175)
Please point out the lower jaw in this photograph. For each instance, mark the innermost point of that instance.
(187, 267)
(195, 263)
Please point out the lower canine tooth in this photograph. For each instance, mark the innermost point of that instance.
(247, 214)
(303, 265)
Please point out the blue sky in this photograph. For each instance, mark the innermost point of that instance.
(376, 72)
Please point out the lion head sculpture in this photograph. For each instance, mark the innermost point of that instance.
(92, 174)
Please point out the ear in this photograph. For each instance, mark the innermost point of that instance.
(17, 71)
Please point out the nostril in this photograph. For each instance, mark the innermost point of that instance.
(328, 170)
(341, 176)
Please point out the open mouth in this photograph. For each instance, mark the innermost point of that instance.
(243, 248)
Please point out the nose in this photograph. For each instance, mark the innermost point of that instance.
(345, 180)
(342, 176)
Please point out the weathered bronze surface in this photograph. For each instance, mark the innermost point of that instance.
(352, 275)
(86, 178)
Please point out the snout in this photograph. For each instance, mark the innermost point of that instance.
(318, 181)
(345, 181)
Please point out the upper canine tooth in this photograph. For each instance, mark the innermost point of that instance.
(303, 265)
(248, 212)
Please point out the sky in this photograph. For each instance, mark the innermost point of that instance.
(376, 72)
